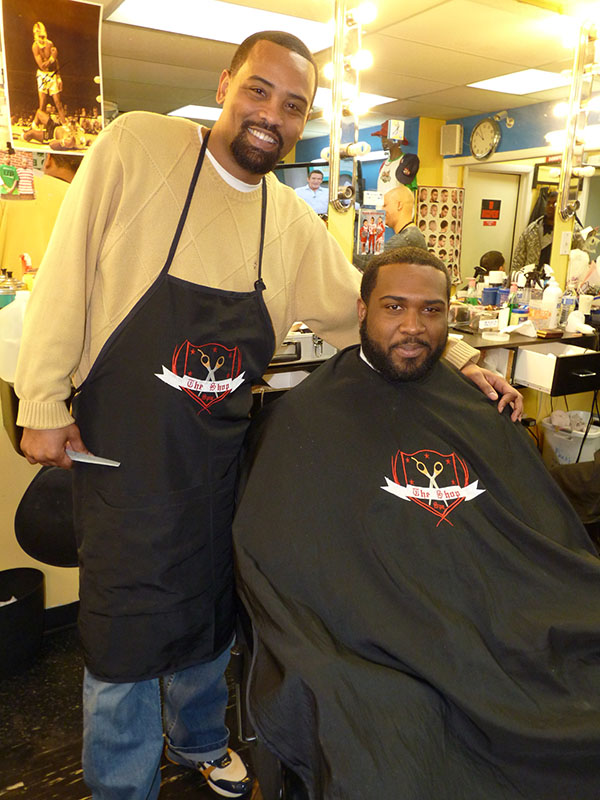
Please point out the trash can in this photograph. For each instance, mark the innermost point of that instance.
(562, 447)
(22, 620)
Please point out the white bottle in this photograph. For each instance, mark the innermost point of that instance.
(551, 301)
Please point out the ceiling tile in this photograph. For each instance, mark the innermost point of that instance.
(441, 63)
(509, 33)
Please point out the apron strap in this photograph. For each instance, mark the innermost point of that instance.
(186, 206)
(259, 284)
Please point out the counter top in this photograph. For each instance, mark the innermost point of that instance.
(517, 340)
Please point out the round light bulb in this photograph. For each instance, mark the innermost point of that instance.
(328, 71)
(365, 13)
(561, 109)
(363, 59)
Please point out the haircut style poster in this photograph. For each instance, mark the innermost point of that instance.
(439, 218)
(51, 54)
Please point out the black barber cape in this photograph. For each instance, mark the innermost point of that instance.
(425, 601)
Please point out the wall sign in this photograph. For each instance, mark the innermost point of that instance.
(490, 211)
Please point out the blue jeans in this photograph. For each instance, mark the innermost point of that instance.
(123, 728)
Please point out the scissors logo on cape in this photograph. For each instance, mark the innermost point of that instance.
(436, 481)
(207, 372)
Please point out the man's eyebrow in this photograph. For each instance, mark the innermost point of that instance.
(272, 86)
(399, 298)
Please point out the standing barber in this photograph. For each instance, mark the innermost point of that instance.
(163, 297)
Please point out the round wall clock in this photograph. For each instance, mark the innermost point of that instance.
(485, 138)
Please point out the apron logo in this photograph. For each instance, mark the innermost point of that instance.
(207, 373)
(436, 482)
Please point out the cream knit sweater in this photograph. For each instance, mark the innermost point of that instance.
(112, 237)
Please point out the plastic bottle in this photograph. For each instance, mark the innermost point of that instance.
(7, 289)
(472, 293)
(567, 304)
(551, 302)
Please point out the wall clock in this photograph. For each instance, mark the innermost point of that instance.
(485, 138)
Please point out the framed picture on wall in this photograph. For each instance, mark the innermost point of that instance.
(371, 232)
(439, 218)
(53, 83)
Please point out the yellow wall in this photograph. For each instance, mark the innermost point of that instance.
(431, 169)
(16, 473)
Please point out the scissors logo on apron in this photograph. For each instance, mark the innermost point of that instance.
(207, 372)
(436, 482)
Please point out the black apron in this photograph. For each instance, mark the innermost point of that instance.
(169, 397)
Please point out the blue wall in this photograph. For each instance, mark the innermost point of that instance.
(308, 149)
(531, 124)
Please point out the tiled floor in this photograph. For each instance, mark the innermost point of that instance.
(40, 732)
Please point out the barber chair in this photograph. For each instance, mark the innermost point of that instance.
(44, 518)
(276, 781)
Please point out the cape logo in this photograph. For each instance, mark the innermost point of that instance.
(436, 482)
(207, 372)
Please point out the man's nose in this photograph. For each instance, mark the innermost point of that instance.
(271, 111)
(411, 321)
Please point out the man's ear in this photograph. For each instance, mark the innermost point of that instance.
(223, 86)
(361, 309)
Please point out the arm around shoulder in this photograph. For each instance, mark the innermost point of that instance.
(326, 289)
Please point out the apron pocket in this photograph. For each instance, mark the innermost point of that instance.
(159, 552)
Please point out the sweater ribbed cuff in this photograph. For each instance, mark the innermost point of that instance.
(459, 353)
(43, 416)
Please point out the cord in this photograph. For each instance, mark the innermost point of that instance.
(589, 424)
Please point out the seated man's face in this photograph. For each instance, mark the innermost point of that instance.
(315, 180)
(403, 326)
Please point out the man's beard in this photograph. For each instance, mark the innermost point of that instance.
(253, 159)
(410, 370)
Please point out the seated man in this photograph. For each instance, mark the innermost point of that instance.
(314, 194)
(425, 600)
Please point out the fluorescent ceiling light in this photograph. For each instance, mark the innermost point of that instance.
(222, 22)
(197, 112)
(524, 82)
(323, 98)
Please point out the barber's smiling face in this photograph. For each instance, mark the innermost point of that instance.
(265, 107)
(404, 325)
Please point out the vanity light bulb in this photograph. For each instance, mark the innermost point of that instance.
(556, 138)
(364, 13)
(593, 103)
(561, 109)
(359, 106)
(363, 59)
(328, 71)
(591, 136)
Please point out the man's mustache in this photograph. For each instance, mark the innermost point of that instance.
(409, 340)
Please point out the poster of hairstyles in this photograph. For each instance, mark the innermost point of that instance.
(51, 58)
(439, 218)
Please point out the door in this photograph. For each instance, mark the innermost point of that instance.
(488, 225)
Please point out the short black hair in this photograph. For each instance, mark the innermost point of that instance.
(400, 255)
(316, 171)
(492, 260)
(70, 162)
(283, 39)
